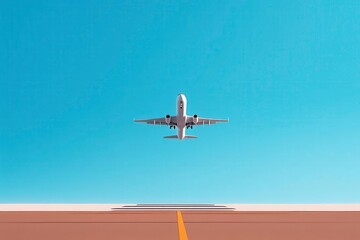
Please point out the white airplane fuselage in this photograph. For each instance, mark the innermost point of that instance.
(181, 121)
(181, 115)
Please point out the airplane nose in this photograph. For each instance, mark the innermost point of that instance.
(181, 96)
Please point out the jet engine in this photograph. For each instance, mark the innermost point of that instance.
(196, 119)
(167, 119)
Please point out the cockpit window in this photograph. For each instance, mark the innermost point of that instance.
(181, 104)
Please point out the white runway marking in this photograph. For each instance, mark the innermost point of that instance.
(233, 207)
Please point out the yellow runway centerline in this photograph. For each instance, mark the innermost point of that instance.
(181, 227)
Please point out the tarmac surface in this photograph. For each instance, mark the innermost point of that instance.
(163, 224)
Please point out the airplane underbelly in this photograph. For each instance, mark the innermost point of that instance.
(181, 122)
(181, 133)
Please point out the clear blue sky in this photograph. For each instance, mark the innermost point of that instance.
(74, 75)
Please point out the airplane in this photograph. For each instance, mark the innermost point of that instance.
(181, 120)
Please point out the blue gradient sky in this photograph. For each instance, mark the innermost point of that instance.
(73, 75)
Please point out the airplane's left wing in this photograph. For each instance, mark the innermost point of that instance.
(168, 120)
(204, 121)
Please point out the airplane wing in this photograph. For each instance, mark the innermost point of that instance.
(204, 121)
(171, 120)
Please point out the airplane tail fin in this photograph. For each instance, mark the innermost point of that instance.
(189, 136)
(173, 136)
(176, 137)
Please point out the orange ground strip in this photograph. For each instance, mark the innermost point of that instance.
(181, 227)
(164, 225)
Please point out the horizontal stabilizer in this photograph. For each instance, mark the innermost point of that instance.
(173, 136)
(189, 136)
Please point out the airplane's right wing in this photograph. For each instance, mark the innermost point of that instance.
(168, 120)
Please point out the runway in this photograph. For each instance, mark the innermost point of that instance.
(200, 222)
